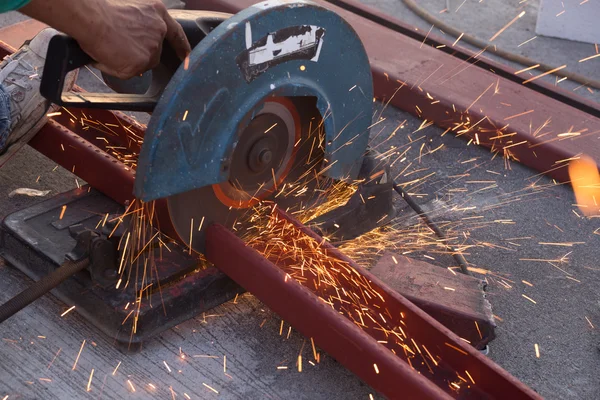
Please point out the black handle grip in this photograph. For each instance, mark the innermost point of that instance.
(65, 55)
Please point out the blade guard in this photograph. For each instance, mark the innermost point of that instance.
(274, 48)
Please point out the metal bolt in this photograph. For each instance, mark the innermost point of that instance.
(265, 156)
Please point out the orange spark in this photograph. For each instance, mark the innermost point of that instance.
(166, 365)
(527, 41)
(519, 115)
(585, 181)
(529, 298)
(544, 74)
(461, 35)
(507, 25)
(479, 97)
(67, 311)
(456, 348)
(116, 368)
(62, 212)
(527, 69)
(589, 322)
(589, 58)
(89, 385)
(470, 377)
(78, 354)
(210, 388)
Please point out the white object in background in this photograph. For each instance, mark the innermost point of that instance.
(28, 192)
(569, 19)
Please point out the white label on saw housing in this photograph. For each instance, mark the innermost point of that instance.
(293, 44)
(248, 35)
(273, 3)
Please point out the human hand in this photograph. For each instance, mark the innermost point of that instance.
(127, 36)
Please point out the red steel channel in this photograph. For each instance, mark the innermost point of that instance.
(355, 348)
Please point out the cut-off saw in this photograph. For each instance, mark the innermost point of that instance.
(272, 106)
(271, 102)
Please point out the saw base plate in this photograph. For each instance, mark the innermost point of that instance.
(35, 240)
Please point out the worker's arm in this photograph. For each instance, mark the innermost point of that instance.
(124, 36)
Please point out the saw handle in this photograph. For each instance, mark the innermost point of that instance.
(65, 55)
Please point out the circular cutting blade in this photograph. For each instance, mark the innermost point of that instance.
(276, 158)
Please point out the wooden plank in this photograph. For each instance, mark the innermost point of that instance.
(456, 300)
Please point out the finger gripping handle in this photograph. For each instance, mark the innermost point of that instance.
(65, 55)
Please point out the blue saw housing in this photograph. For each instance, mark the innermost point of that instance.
(274, 48)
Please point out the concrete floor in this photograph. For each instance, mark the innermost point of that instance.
(482, 19)
(506, 224)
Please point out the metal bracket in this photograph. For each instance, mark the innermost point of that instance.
(371, 206)
(101, 251)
